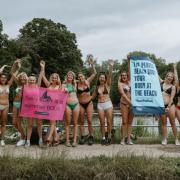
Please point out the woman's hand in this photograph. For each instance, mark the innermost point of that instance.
(111, 62)
(42, 64)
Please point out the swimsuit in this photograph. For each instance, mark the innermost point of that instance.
(71, 90)
(17, 104)
(80, 91)
(5, 91)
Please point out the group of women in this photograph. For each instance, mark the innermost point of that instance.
(79, 104)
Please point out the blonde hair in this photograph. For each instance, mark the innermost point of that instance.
(173, 81)
(20, 75)
(58, 81)
(74, 78)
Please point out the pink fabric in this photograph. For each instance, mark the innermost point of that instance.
(43, 103)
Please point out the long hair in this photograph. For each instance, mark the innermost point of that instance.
(74, 78)
(173, 81)
(58, 81)
(4, 74)
(120, 77)
(20, 75)
(101, 73)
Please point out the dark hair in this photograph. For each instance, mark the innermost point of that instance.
(4, 74)
(123, 72)
(101, 73)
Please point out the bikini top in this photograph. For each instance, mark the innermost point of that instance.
(167, 91)
(70, 88)
(80, 91)
(104, 92)
(4, 90)
(127, 88)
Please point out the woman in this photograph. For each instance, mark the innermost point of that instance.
(54, 83)
(104, 106)
(125, 105)
(72, 108)
(32, 82)
(168, 92)
(21, 80)
(86, 105)
(178, 93)
(4, 100)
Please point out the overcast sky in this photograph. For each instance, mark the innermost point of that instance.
(105, 28)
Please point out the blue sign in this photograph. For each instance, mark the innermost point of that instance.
(146, 95)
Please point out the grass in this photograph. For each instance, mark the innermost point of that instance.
(96, 168)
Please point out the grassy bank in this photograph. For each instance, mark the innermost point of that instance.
(97, 168)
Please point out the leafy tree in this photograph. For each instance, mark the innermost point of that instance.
(42, 38)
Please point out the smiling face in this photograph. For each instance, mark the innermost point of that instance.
(32, 80)
(23, 78)
(170, 77)
(54, 79)
(102, 79)
(3, 79)
(124, 77)
(70, 76)
(81, 77)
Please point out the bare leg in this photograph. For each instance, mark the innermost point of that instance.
(102, 121)
(4, 121)
(75, 114)
(81, 117)
(89, 112)
(67, 122)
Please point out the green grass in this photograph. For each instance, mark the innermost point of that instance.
(96, 168)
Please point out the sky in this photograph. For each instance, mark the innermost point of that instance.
(105, 28)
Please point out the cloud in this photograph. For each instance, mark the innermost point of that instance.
(108, 29)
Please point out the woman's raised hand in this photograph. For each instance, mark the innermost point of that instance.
(42, 64)
(111, 62)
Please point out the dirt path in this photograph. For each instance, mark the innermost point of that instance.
(89, 151)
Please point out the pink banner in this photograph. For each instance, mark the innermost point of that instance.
(43, 103)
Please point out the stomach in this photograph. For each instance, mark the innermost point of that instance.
(72, 98)
(4, 99)
(84, 98)
(166, 98)
(103, 98)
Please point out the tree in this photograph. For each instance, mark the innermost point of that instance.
(42, 38)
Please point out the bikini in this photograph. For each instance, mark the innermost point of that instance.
(17, 104)
(126, 89)
(4, 91)
(71, 90)
(178, 95)
(167, 91)
(80, 91)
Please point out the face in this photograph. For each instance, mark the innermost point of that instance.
(102, 79)
(32, 80)
(81, 77)
(124, 77)
(170, 77)
(3, 79)
(54, 78)
(70, 77)
(23, 78)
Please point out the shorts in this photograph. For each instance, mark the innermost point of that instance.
(104, 105)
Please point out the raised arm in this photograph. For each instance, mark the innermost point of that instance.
(2, 68)
(109, 78)
(14, 71)
(42, 73)
(176, 75)
(93, 75)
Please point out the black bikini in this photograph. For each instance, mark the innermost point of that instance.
(80, 91)
(167, 91)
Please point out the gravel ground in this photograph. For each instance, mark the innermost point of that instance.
(83, 151)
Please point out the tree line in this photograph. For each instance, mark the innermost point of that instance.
(44, 39)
